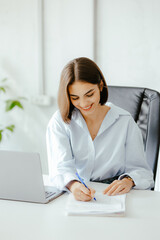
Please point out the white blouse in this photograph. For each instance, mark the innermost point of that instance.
(117, 150)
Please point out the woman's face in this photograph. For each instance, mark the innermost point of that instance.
(85, 96)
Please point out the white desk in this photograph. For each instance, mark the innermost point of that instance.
(28, 221)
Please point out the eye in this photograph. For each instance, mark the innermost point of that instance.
(90, 95)
(74, 98)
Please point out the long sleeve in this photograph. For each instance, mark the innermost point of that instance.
(61, 161)
(117, 150)
(136, 165)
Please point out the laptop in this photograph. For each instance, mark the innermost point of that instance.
(21, 178)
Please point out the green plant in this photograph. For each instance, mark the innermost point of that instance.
(9, 105)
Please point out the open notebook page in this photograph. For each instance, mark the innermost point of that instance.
(104, 205)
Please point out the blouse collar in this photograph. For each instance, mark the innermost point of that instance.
(112, 115)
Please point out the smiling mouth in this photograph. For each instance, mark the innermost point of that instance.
(87, 108)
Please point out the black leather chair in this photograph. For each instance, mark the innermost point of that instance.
(144, 106)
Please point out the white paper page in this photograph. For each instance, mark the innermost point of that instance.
(104, 204)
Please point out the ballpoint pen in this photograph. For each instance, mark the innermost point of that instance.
(83, 183)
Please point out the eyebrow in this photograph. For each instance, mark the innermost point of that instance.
(73, 95)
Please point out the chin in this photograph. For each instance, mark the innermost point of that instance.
(91, 111)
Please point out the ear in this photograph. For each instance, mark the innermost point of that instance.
(101, 86)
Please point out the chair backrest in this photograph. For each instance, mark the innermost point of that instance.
(144, 106)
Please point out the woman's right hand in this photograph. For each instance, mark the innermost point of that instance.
(80, 192)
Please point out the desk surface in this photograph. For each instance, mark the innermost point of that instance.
(28, 221)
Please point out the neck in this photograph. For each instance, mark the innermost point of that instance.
(97, 114)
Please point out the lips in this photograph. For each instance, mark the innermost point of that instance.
(87, 108)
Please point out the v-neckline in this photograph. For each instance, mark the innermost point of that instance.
(97, 133)
(111, 116)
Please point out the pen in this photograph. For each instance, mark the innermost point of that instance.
(83, 183)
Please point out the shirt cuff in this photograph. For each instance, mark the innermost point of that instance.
(126, 175)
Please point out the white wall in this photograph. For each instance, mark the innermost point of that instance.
(128, 51)
(128, 48)
(18, 62)
(68, 33)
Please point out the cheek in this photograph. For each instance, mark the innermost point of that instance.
(97, 98)
(74, 103)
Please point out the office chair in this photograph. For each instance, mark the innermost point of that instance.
(144, 106)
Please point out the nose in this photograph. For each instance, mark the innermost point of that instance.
(83, 103)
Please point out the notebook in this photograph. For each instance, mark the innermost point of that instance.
(103, 206)
(21, 178)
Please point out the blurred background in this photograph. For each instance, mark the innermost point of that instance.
(38, 37)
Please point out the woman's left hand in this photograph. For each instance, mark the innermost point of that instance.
(119, 187)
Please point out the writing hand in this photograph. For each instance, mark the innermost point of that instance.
(80, 192)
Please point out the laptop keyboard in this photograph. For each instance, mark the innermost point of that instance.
(48, 193)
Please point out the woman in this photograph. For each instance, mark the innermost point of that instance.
(96, 139)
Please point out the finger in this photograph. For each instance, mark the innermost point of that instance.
(110, 192)
(125, 190)
(80, 196)
(84, 197)
(85, 190)
(110, 186)
(118, 190)
(87, 195)
(92, 192)
(81, 193)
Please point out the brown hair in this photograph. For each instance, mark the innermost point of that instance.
(79, 69)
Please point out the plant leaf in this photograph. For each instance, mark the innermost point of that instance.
(10, 128)
(18, 104)
(10, 104)
(2, 89)
(1, 135)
